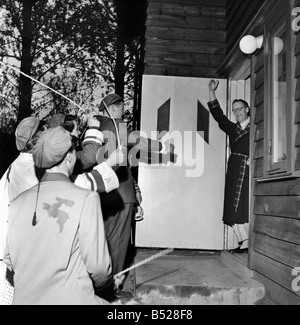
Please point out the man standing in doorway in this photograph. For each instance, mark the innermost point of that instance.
(236, 200)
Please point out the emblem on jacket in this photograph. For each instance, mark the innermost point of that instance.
(54, 212)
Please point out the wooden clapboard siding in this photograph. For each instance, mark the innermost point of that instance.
(279, 273)
(275, 243)
(259, 96)
(258, 167)
(160, 20)
(283, 206)
(259, 80)
(276, 293)
(275, 259)
(184, 46)
(185, 37)
(187, 34)
(175, 58)
(280, 251)
(258, 115)
(259, 131)
(297, 117)
(286, 188)
(286, 230)
(297, 98)
(174, 70)
(259, 149)
(200, 9)
(194, 27)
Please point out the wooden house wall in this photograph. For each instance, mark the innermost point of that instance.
(275, 245)
(185, 37)
(276, 241)
(297, 95)
(259, 136)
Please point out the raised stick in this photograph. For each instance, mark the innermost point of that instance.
(42, 84)
(163, 253)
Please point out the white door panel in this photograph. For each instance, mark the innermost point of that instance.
(183, 202)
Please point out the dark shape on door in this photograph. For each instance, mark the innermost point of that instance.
(163, 118)
(203, 119)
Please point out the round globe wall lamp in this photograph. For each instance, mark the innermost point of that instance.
(249, 44)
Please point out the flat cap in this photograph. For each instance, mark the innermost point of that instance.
(51, 147)
(25, 130)
(109, 100)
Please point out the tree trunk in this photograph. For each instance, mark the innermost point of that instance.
(25, 87)
(119, 69)
(120, 60)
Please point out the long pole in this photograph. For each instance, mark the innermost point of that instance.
(40, 83)
(150, 259)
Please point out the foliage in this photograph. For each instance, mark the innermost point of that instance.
(73, 49)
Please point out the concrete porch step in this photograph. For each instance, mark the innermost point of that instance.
(192, 278)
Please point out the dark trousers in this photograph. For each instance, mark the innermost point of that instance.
(118, 231)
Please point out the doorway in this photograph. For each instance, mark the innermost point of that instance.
(239, 86)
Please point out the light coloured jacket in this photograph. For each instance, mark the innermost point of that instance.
(20, 176)
(61, 259)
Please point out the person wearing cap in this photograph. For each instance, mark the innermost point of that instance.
(21, 176)
(102, 178)
(118, 205)
(59, 230)
(92, 142)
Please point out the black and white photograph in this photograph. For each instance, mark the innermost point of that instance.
(150, 155)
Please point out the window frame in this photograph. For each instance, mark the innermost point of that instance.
(280, 166)
(279, 22)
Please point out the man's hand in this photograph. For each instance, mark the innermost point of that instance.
(118, 281)
(116, 158)
(139, 198)
(213, 85)
(168, 147)
(93, 122)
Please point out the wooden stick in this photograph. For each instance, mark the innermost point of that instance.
(163, 253)
(42, 84)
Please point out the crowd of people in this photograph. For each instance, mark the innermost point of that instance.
(67, 209)
(67, 206)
